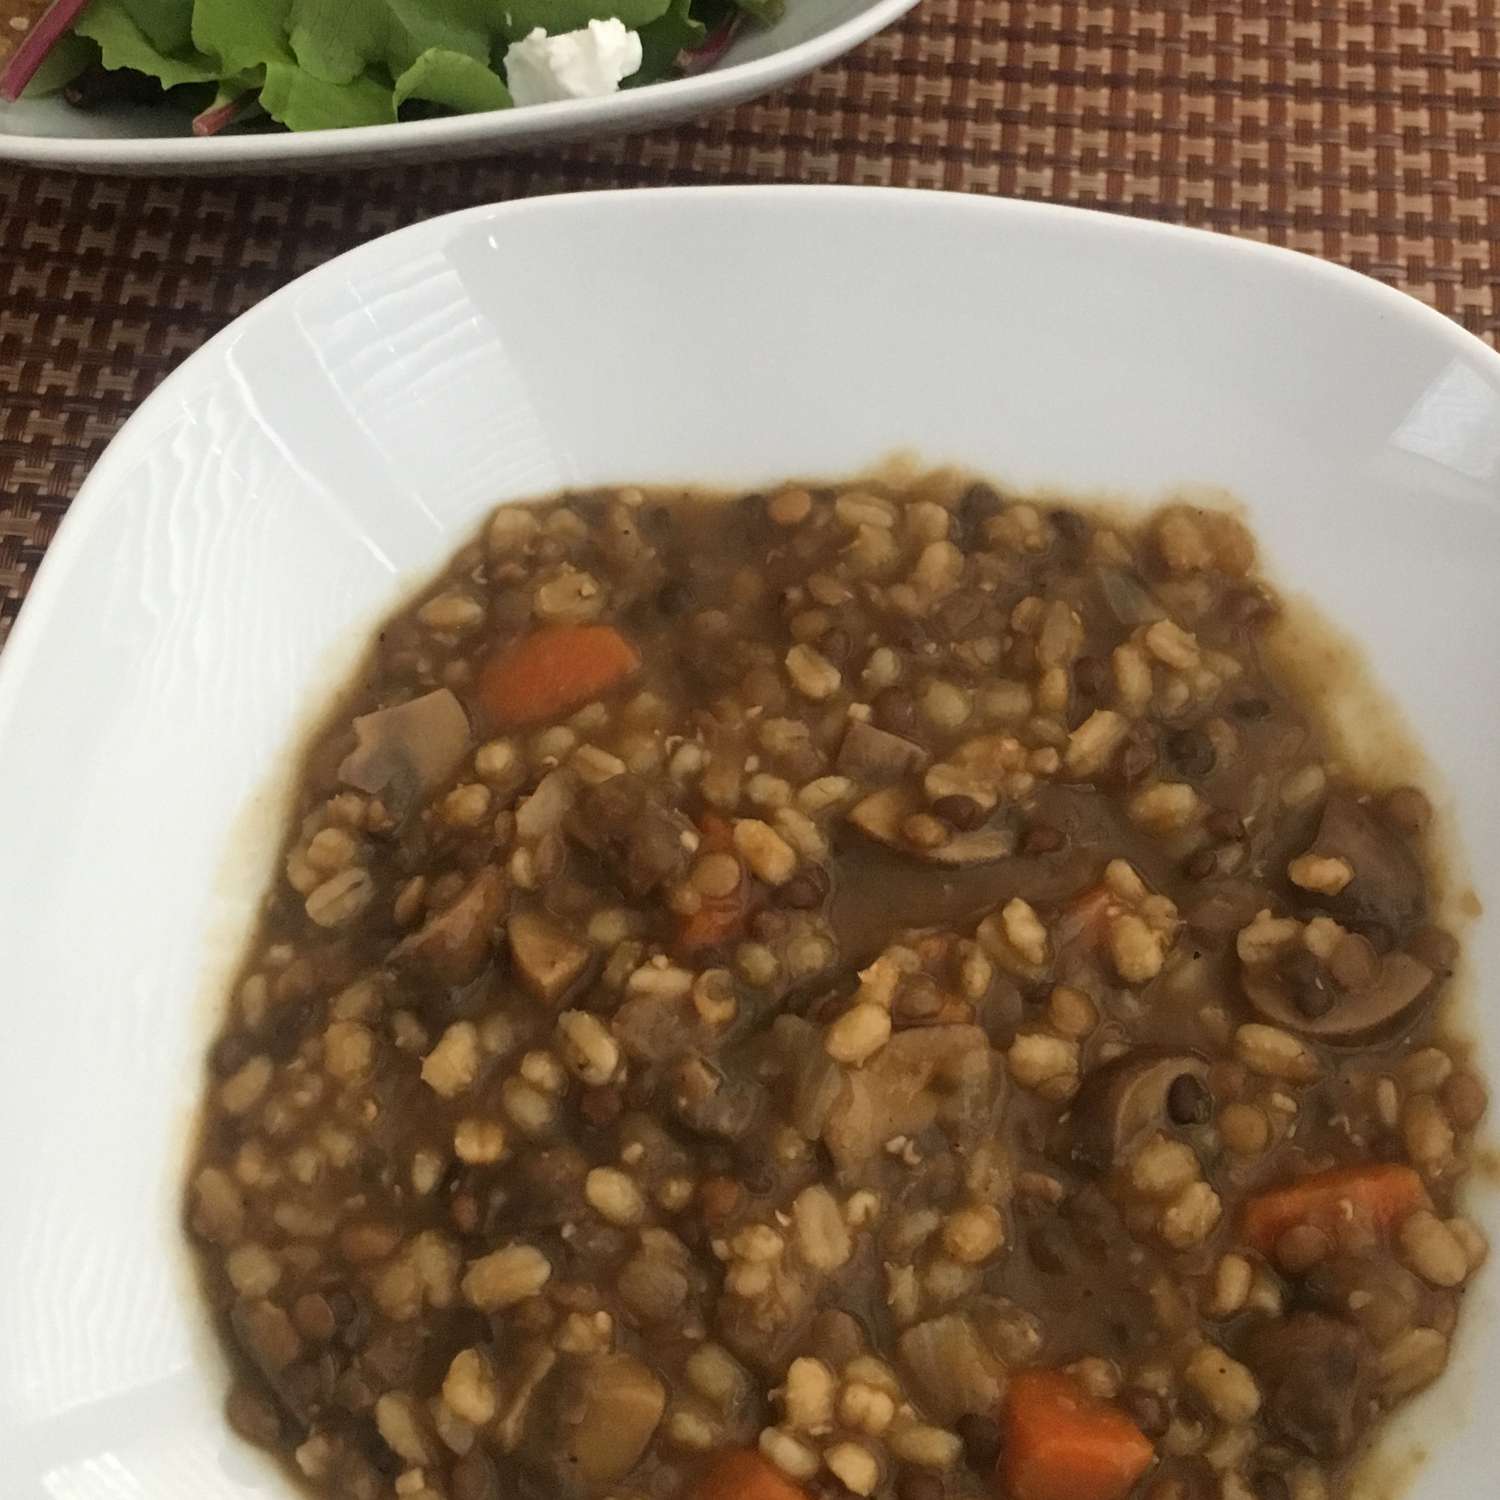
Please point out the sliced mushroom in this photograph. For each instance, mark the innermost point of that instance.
(266, 1334)
(709, 1101)
(1316, 1375)
(612, 1412)
(761, 1332)
(475, 1477)
(454, 943)
(836, 1337)
(655, 1028)
(1372, 1291)
(869, 754)
(636, 830)
(536, 1362)
(393, 1353)
(880, 816)
(1352, 1016)
(654, 1284)
(899, 1091)
(1220, 908)
(410, 749)
(1128, 1098)
(1388, 891)
(955, 1374)
(819, 1081)
(548, 1188)
(544, 810)
(547, 960)
(882, 892)
(1128, 597)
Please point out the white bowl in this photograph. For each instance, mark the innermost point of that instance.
(288, 484)
(50, 133)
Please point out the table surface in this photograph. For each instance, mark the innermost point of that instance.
(1367, 133)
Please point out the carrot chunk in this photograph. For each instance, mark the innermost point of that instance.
(742, 1474)
(718, 918)
(1085, 919)
(1378, 1193)
(552, 670)
(1063, 1444)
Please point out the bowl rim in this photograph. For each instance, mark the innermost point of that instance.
(49, 580)
(632, 110)
(1263, 279)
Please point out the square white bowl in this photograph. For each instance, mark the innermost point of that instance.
(224, 563)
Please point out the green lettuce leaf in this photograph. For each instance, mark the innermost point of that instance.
(521, 17)
(300, 101)
(69, 56)
(166, 24)
(327, 63)
(242, 34)
(454, 80)
(122, 44)
(337, 40)
(663, 39)
(767, 12)
(418, 26)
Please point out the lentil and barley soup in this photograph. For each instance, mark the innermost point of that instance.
(875, 989)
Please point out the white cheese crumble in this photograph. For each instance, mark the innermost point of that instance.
(574, 65)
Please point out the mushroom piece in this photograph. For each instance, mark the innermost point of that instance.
(409, 750)
(1371, 1290)
(1128, 598)
(656, 1028)
(547, 1189)
(953, 1370)
(900, 1090)
(475, 1476)
(880, 816)
(605, 1417)
(547, 806)
(547, 960)
(266, 1334)
(1131, 1096)
(818, 1081)
(870, 754)
(883, 892)
(636, 830)
(454, 943)
(1316, 1374)
(1388, 892)
(1353, 1016)
(709, 1101)
(536, 1362)
(835, 1337)
(1220, 908)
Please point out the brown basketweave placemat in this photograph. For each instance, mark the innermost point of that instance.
(1368, 133)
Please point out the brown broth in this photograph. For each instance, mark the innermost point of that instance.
(403, 1088)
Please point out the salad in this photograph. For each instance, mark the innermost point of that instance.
(324, 64)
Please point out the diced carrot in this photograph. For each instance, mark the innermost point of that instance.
(1378, 1193)
(718, 918)
(742, 1474)
(552, 670)
(1063, 1444)
(714, 922)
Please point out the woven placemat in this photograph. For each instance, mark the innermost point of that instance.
(1368, 133)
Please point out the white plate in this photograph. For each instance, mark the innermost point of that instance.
(288, 483)
(49, 133)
